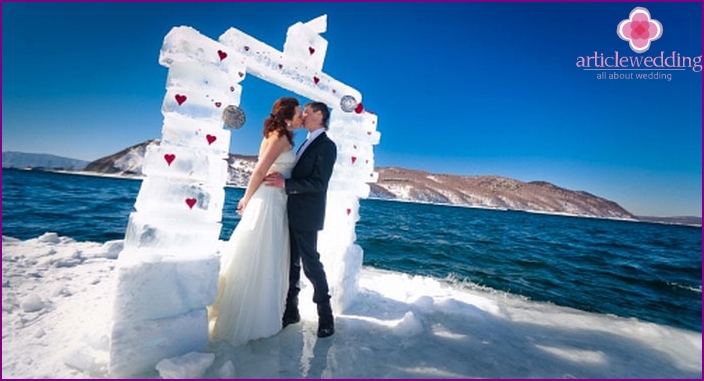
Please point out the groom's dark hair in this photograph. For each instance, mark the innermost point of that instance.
(323, 108)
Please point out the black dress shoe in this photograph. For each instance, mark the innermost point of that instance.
(290, 317)
(326, 328)
(326, 323)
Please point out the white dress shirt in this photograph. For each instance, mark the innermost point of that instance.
(309, 139)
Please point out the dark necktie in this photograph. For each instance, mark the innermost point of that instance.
(298, 152)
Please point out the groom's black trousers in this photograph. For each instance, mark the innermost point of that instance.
(304, 249)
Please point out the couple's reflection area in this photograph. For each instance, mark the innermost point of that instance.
(311, 352)
(295, 352)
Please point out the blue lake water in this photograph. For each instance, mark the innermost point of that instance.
(652, 272)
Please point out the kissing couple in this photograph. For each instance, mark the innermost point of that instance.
(282, 211)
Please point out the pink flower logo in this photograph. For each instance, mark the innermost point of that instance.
(639, 29)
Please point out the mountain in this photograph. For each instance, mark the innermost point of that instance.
(419, 186)
(24, 160)
(394, 183)
(126, 162)
(493, 192)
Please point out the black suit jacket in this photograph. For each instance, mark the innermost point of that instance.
(307, 188)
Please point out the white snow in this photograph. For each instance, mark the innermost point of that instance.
(56, 324)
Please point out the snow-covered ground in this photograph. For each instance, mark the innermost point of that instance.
(56, 317)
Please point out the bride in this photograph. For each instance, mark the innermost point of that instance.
(254, 266)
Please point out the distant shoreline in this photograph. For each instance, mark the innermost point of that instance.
(654, 221)
(642, 219)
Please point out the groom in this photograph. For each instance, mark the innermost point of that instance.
(307, 192)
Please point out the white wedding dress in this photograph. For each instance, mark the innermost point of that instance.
(254, 267)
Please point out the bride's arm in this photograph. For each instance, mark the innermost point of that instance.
(274, 145)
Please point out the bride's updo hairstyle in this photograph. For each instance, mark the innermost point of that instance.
(284, 108)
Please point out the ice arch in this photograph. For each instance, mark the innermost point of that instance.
(167, 272)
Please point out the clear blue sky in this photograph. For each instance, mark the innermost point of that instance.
(461, 88)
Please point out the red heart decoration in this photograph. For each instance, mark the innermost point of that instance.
(210, 138)
(316, 80)
(169, 157)
(359, 108)
(191, 202)
(246, 48)
(180, 99)
(354, 158)
(311, 50)
(349, 211)
(218, 104)
(222, 55)
(241, 74)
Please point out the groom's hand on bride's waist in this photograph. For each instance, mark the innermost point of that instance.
(274, 180)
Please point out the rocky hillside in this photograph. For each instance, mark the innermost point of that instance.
(491, 192)
(126, 162)
(477, 191)
(418, 186)
(240, 169)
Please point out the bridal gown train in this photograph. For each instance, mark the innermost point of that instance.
(254, 267)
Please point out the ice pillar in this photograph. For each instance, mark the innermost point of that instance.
(167, 273)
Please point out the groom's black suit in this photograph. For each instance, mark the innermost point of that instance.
(307, 192)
